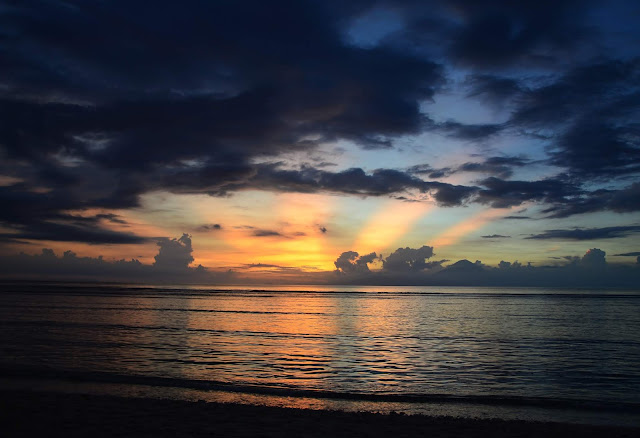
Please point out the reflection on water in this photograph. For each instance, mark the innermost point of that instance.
(448, 341)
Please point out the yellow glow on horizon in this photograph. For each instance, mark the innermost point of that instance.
(392, 220)
(300, 242)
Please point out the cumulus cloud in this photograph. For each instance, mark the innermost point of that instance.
(174, 254)
(407, 266)
(594, 258)
(171, 265)
(350, 262)
(408, 259)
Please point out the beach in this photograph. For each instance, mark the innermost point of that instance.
(33, 413)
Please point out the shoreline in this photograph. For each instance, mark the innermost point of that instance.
(40, 413)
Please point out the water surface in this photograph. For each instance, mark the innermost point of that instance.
(550, 348)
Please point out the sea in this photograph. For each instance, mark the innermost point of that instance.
(514, 353)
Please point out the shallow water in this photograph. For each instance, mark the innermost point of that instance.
(525, 348)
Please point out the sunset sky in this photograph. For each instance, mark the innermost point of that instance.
(280, 135)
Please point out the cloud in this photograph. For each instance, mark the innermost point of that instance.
(620, 201)
(493, 89)
(594, 258)
(350, 262)
(462, 131)
(495, 236)
(628, 254)
(500, 193)
(408, 267)
(589, 109)
(171, 265)
(587, 233)
(265, 233)
(501, 33)
(210, 94)
(210, 227)
(408, 259)
(516, 217)
(174, 254)
(498, 166)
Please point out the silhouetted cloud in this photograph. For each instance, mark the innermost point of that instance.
(516, 217)
(174, 254)
(500, 193)
(408, 259)
(594, 258)
(266, 233)
(628, 254)
(171, 265)
(350, 262)
(589, 270)
(210, 227)
(495, 236)
(587, 233)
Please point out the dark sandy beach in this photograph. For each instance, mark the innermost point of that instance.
(44, 414)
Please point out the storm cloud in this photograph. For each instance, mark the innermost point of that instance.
(102, 103)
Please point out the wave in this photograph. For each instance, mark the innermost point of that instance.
(187, 291)
(284, 391)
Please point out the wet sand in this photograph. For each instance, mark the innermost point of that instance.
(42, 414)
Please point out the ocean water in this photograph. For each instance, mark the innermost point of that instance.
(567, 355)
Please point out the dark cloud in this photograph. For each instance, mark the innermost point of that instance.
(350, 262)
(174, 254)
(501, 167)
(516, 217)
(266, 233)
(620, 201)
(498, 166)
(590, 270)
(471, 132)
(42, 216)
(171, 265)
(103, 102)
(589, 112)
(114, 218)
(354, 181)
(493, 89)
(495, 236)
(500, 32)
(588, 233)
(408, 259)
(500, 193)
(210, 227)
(594, 259)
(628, 254)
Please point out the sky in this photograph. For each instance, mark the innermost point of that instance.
(320, 141)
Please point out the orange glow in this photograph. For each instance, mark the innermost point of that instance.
(300, 242)
(391, 222)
